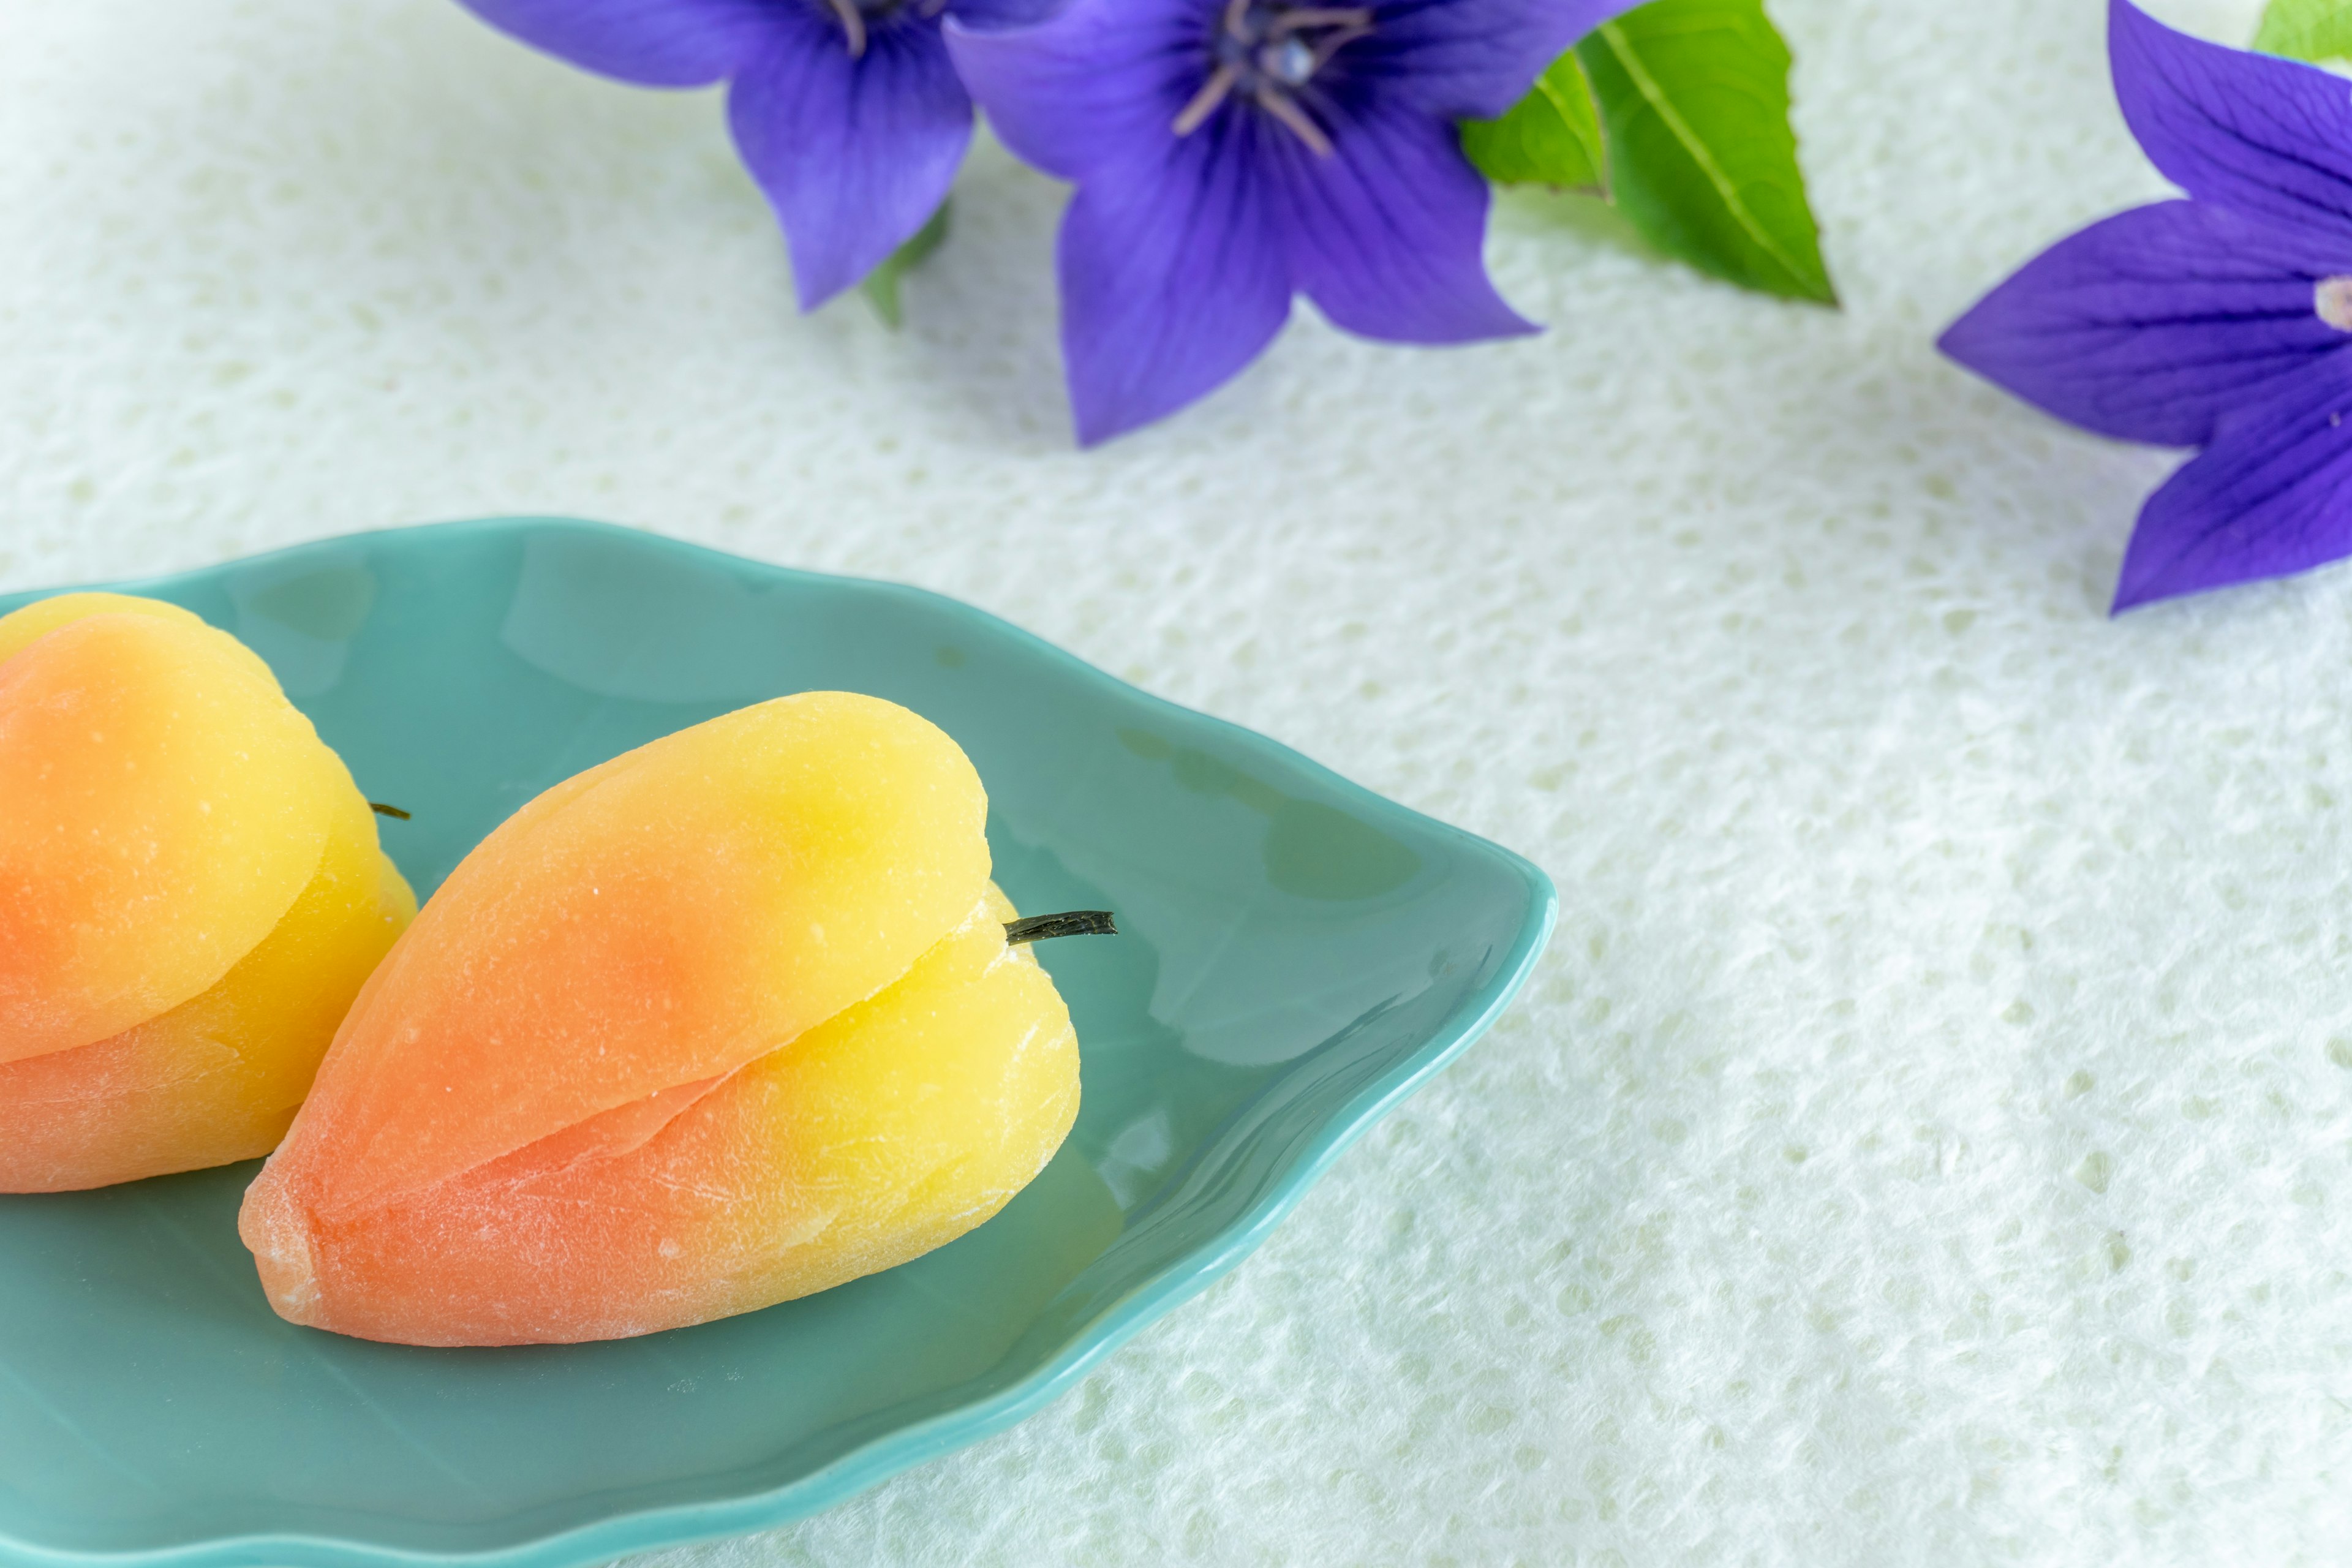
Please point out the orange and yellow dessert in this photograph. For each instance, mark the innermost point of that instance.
(191, 893)
(727, 1020)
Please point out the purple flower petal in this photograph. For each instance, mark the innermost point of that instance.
(2272, 495)
(1470, 60)
(1174, 278)
(2269, 137)
(1346, 179)
(1385, 232)
(2150, 325)
(856, 153)
(654, 43)
(1002, 13)
(1098, 82)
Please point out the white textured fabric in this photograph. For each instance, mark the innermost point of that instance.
(1929, 1138)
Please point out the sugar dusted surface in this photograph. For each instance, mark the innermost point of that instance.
(1925, 1140)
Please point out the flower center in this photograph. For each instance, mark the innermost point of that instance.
(856, 16)
(2332, 299)
(1265, 52)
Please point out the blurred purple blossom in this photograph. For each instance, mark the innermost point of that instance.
(2221, 321)
(1229, 152)
(847, 112)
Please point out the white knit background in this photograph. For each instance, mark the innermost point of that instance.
(1929, 1138)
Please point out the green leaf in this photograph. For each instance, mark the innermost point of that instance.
(2306, 29)
(1551, 137)
(1693, 98)
(881, 285)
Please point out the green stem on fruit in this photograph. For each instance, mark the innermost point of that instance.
(392, 811)
(1073, 922)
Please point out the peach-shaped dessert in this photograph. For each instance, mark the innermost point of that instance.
(191, 893)
(727, 1020)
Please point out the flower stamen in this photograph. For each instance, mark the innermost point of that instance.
(1341, 37)
(1265, 52)
(853, 21)
(1289, 62)
(1305, 17)
(2331, 301)
(1285, 108)
(1213, 91)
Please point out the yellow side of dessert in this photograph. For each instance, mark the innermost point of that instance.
(191, 893)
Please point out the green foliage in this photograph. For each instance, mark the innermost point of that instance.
(1551, 137)
(881, 285)
(2306, 29)
(1694, 96)
(1691, 140)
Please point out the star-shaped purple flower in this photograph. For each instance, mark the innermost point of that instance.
(847, 112)
(1229, 152)
(2221, 321)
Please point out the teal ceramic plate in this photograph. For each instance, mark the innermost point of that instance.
(1300, 955)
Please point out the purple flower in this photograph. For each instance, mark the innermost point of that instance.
(847, 112)
(1229, 152)
(2221, 321)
